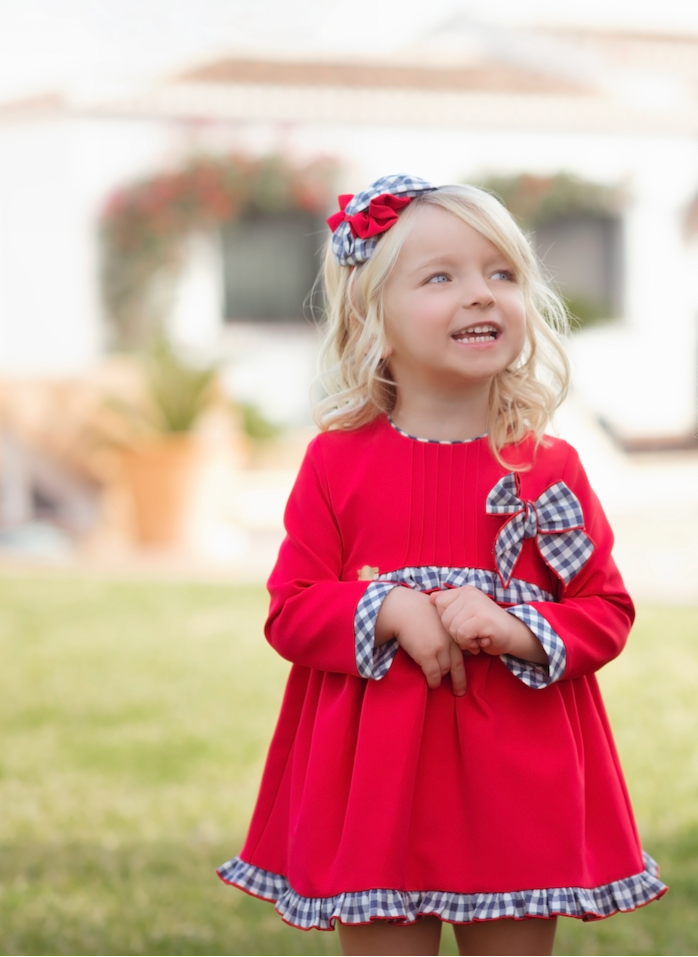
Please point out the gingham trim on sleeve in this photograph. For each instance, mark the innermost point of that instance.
(534, 675)
(372, 662)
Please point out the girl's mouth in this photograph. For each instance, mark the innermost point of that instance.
(484, 332)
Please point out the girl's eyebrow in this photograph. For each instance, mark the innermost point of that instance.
(441, 260)
(447, 259)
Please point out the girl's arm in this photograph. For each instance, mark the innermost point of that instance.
(595, 613)
(311, 614)
(548, 641)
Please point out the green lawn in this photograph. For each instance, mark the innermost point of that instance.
(135, 719)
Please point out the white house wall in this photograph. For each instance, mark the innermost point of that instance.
(55, 174)
(47, 316)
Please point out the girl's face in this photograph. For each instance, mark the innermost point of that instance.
(454, 313)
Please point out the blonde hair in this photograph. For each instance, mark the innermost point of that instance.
(355, 377)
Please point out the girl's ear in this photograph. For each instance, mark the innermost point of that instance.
(387, 349)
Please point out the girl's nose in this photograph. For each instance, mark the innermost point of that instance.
(477, 293)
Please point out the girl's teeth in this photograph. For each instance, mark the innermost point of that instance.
(477, 334)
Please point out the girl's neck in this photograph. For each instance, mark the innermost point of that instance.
(442, 418)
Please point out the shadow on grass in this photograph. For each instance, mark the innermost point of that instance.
(165, 899)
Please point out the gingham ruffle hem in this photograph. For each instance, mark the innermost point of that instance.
(404, 907)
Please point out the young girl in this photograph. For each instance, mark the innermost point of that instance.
(446, 593)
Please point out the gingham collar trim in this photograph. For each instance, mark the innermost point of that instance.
(418, 438)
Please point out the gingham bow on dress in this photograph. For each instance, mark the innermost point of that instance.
(555, 520)
(363, 217)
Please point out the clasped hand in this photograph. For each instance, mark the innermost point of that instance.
(474, 621)
(437, 630)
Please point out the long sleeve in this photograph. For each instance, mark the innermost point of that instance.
(312, 612)
(594, 614)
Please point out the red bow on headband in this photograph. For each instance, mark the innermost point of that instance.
(381, 214)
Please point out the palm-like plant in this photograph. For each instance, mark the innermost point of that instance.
(174, 394)
(177, 392)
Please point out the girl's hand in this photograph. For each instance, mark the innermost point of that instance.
(411, 618)
(477, 623)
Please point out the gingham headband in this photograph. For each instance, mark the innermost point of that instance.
(361, 218)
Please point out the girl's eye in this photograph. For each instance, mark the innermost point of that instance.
(439, 277)
(505, 274)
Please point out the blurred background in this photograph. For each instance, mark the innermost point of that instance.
(166, 167)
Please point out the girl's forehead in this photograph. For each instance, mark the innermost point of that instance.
(437, 231)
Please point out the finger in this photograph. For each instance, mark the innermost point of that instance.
(446, 597)
(464, 631)
(443, 656)
(456, 616)
(471, 628)
(458, 679)
(432, 672)
(448, 615)
(453, 616)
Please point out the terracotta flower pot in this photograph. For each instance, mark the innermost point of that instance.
(160, 476)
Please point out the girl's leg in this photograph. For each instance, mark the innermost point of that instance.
(381, 937)
(507, 936)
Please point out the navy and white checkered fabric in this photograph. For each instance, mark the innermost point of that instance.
(374, 662)
(533, 675)
(436, 577)
(418, 438)
(404, 907)
(350, 250)
(555, 520)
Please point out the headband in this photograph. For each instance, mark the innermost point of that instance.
(361, 218)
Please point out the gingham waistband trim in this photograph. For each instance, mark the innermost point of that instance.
(374, 663)
(433, 577)
(404, 907)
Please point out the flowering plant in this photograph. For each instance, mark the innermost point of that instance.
(536, 200)
(144, 224)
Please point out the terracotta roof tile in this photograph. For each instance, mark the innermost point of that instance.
(490, 79)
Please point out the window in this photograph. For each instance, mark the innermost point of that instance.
(583, 255)
(270, 262)
(576, 226)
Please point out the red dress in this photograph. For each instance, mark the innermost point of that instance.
(382, 798)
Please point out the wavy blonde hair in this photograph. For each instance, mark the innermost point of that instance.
(356, 379)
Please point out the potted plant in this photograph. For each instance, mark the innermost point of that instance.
(155, 435)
